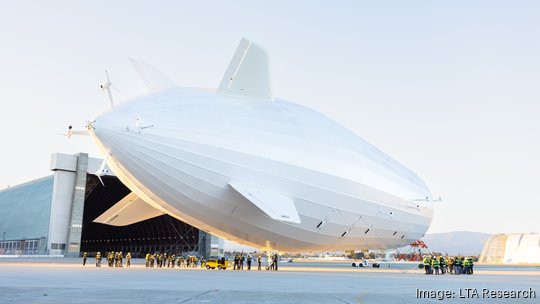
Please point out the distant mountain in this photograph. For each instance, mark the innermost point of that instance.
(459, 242)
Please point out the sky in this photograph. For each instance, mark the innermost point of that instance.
(450, 89)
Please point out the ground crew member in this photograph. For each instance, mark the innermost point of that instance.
(242, 259)
(147, 259)
(450, 265)
(271, 261)
(259, 261)
(457, 265)
(222, 262)
(443, 264)
(249, 262)
(98, 259)
(152, 257)
(180, 261)
(128, 259)
(84, 257)
(427, 264)
(435, 263)
(159, 260)
(203, 262)
(466, 262)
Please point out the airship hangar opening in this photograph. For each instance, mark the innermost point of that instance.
(54, 216)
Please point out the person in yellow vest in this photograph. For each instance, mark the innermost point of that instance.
(443, 264)
(435, 263)
(466, 266)
(98, 259)
(152, 258)
(458, 265)
(471, 264)
(203, 262)
(128, 259)
(427, 264)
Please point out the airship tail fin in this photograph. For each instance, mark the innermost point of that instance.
(131, 209)
(153, 78)
(275, 205)
(248, 74)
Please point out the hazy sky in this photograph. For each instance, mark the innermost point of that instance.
(451, 89)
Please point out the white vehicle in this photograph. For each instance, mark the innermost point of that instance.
(261, 171)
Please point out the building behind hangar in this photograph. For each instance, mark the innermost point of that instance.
(54, 216)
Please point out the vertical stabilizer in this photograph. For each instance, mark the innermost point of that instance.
(248, 74)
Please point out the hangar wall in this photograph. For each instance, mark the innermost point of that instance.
(24, 217)
(47, 217)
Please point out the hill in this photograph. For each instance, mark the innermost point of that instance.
(458, 242)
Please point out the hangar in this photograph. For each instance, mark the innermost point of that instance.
(54, 216)
(512, 248)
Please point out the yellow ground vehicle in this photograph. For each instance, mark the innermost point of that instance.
(215, 263)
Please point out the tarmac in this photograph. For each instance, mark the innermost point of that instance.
(67, 281)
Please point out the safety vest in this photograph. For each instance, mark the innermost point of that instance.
(458, 262)
(466, 263)
(426, 261)
(435, 262)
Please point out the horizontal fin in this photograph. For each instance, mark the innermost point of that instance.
(131, 209)
(152, 77)
(248, 74)
(275, 205)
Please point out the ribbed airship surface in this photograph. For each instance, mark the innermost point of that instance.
(246, 166)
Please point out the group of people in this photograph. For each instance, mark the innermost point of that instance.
(240, 258)
(239, 262)
(114, 259)
(171, 260)
(273, 262)
(451, 265)
(160, 260)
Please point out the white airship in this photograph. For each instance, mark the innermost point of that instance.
(258, 170)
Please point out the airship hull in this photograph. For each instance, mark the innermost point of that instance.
(184, 150)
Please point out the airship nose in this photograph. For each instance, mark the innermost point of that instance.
(108, 132)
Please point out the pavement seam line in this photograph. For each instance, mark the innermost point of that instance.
(196, 296)
(339, 299)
